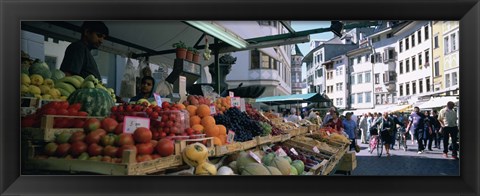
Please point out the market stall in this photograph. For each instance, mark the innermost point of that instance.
(437, 102)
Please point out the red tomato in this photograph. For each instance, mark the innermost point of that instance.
(144, 148)
(170, 123)
(154, 115)
(163, 134)
(75, 106)
(82, 113)
(120, 109)
(95, 150)
(143, 158)
(64, 105)
(125, 139)
(189, 131)
(164, 118)
(110, 151)
(114, 109)
(172, 116)
(77, 136)
(165, 104)
(63, 149)
(119, 129)
(165, 147)
(62, 111)
(129, 108)
(142, 135)
(78, 148)
(72, 112)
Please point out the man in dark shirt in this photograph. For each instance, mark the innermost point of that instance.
(78, 60)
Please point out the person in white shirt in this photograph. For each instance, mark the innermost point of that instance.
(293, 117)
(448, 121)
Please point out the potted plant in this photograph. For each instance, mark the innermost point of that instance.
(196, 55)
(190, 53)
(181, 49)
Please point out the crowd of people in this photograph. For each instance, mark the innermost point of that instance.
(428, 129)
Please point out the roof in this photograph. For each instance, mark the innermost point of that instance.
(297, 51)
(292, 99)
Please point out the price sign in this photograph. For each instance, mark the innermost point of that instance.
(315, 149)
(254, 156)
(242, 105)
(158, 99)
(230, 137)
(230, 93)
(235, 102)
(212, 109)
(280, 152)
(132, 122)
(265, 148)
(293, 151)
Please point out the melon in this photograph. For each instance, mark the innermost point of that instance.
(255, 169)
(299, 165)
(94, 101)
(225, 171)
(233, 166)
(274, 171)
(206, 168)
(40, 68)
(57, 74)
(195, 153)
(293, 171)
(288, 159)
(281, 164)
(243, 159)
(267, 159)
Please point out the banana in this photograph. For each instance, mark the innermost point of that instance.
(110, 90)
(63, 98)
(71, 80)
(63, 92)
(102, 87)
(79, 78)
(66, 86)
(88, 84)
(49, 82)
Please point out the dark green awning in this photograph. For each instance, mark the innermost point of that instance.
(293, 99)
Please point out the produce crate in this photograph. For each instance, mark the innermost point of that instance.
(348, 162)
(207, 141)
(264, 140)
(312, 128)
(249, 144)
(276, 120)
(293, 132)
(228, 148)
(24, 111)
(285, 137)
(129, 166)
(318, 169)
(47, 132)
(302, 130)
(335, 160)
(276, 138)
(29, 102)
(309, 148)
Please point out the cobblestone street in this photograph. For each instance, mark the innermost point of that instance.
(405, 163)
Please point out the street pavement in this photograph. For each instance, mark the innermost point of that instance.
(405, 163)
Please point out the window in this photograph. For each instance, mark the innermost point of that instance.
(427, 84)
(406, 44)
(367, 57)
(359, 98)
(400, 46)
(352, 79)
(377, 78)
(265, 61)
(435, 42)
(420, 60)
(255, 60)
(368, 77)
(454, 79)
(445, 42)
(419, 33)
(352, 98)
(413, 40)
(350, 61)
(454, 40)
(420, 86)
(359, 59)
(360, 78)
(427, 56)
(389, 35)
(320, 72)
(401, 89)
(407, 88)
(426, 32)
(401, 67)
(377, 99)
(436, 69)
(447, 80)
(368, 97)
(414, 88)
(413, 63)
(407, 65)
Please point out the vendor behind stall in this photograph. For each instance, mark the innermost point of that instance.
(293, 117)
(146, 89)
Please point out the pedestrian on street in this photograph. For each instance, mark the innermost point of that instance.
(349, 128)
(429, 130)
(369, 124)
(416, 123)
(448, 122)
(396, 122)
(436, 127)
(385, 126)
(363, 128)
(335, 122)
(328, 116)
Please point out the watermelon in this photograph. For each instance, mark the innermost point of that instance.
(94, 101)
(57, 74)
(40, 68)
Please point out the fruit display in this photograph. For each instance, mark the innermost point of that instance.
(56, 108)
(222, 104)
(95, 101)
(313, 142)
(255, 115)
(239, 122)
(196, 100)
(308, 160)
(35, 85)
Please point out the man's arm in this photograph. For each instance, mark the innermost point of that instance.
(72, 61)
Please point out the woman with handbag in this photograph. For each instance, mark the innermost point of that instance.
(385, 126)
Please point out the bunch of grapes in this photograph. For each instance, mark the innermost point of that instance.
(267, 129)
(244, 127)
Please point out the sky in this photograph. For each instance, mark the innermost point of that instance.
(308, 25)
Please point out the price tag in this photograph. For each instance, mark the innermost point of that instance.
(235, 102)
(230, 93)
(230, 137)
(158, 99)
(293, 151)
(254, 156)
(242, 105)
(328, 133)
(315, 149)
(132, 122)
(280, 152)
(212, 109)
(265, 148)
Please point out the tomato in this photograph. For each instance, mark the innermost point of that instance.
(163, 134)
(189, 131)
(144, 148)
(106, 159)
(162, 124)
(166, 130)
(169, 123)
(154, 115)
(114, 109)
(108, 140)
(143, 158)
(76, 106)
(95, 149)
(93, 137)
(64, 105)
(149, 111)
(142, 135)
(129, 108)
(165, 104)
(119, 129)
(62, 111)
(78, 123)
(82, 113)
(50, 148)
(78, 148)
(120, 109)
(72, 111)
(109, 124)
(165, 147)
(155, 135)
(164, 118)
(174, 130)
(77, 136)
(63, 149)
(110, 151)
(137, 108)
(125, 139)
(125, 147)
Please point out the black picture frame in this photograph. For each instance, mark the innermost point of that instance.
(12, 12)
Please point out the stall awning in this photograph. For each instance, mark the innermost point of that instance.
(293, 99)
(437, 102)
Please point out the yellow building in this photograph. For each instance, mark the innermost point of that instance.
(437, 55)
(451, 59)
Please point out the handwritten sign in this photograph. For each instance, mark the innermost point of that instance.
(212, 109)
(293, 151)
(132, 122)
(315, 149)
(235, 102)
(158, 99)
(230, 93)
(280, 152)
(242, 105)
(254, 156)
(230, 137)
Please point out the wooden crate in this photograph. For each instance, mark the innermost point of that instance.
(302, 130)
(318, 169)
(228, 148)
(249, 144)
(285, 137)
(312, 128)
(322, 153)
(276, 138)
(129, 166)
(348, 162)
(263, 140)
(208, 140)
(47, 132)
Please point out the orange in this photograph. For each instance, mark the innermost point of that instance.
(195, 120)
(222, 130)
(208, 121)
(203, 110)
(211, 131)
(192, 110)
(223, 138)
(197, 128)
(217, 141)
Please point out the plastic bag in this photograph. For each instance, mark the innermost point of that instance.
(127, 88)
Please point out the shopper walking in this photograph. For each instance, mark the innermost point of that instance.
(429, 130)
(363, 125)
(349, 128)
(448, 122)
(328, 116)
(416, 124)
(385, 126)
(369, 124)
(335, 122)
(436, 128)
(396, 122)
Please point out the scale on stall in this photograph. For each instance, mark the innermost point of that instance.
(184, 75)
